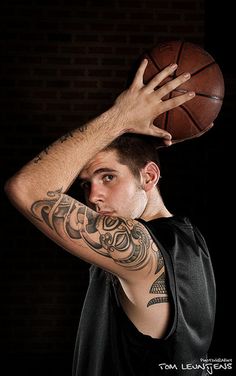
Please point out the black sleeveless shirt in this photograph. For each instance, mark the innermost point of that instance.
(108, 343)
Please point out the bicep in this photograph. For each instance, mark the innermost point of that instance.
(116, 244)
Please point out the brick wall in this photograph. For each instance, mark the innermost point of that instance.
(63, 62)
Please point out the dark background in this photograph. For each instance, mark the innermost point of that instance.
(63, 62)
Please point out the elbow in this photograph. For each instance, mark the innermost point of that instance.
(15, 192)
(10, 188)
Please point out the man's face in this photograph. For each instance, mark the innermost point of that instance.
(111, 188)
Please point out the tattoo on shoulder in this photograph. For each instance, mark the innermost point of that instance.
(123, 240)
(159, 285)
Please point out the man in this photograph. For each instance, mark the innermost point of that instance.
(151, 301)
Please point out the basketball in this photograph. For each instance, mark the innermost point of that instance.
(195, 117)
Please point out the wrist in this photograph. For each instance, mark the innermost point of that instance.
(119, 120)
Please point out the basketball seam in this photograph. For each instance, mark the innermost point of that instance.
(204, 67)
(169, 95)
(178, 57)
(154, 62)
(174, 76)
(175, 141)
(183, 91)
(191, 117)
(210, 96)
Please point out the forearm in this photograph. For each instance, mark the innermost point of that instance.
(134, 110)
(59, 164)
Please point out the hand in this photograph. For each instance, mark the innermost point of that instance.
(141, 104)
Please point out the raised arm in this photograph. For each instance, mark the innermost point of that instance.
(38, 189)
(116, 244)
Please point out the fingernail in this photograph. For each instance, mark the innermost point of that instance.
(191, 93)
(168, 143)
(187, 75)
(173, 66)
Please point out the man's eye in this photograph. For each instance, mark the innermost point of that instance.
(85, 185)
(108, 178)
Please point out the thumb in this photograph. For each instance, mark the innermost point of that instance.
(159, 132)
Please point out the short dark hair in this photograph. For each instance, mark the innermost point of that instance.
(135, 151)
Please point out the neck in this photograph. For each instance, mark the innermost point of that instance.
(155, 207)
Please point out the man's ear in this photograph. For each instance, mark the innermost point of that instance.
(150, 176)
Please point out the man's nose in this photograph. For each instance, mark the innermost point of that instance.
(96, 193)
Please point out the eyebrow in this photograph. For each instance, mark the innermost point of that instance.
(99, 171)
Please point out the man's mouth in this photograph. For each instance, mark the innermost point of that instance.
(105, 212)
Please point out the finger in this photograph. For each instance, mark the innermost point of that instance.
(168, 142)
(161, 76)
(161, 133)
(138, 79)
(173, 84)
(177, 101)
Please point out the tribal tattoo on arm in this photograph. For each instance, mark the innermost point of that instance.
(123, 240)
(159, 285)
(120, 239)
